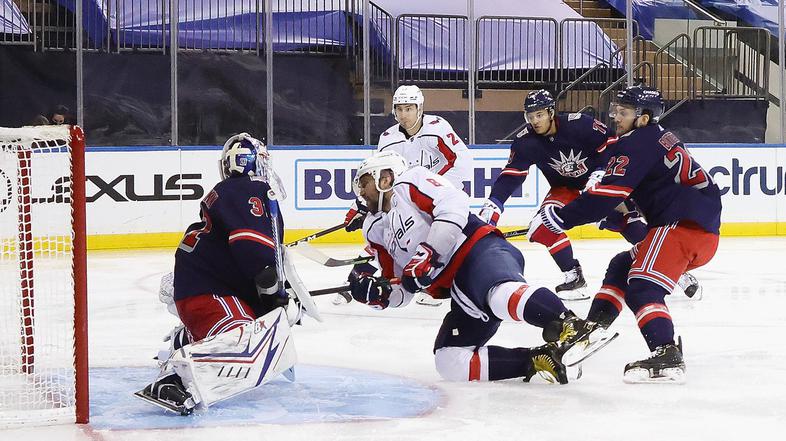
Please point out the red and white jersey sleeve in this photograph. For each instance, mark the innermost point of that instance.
(436, 147)
(420, 198)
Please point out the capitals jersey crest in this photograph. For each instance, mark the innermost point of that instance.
(571, 166)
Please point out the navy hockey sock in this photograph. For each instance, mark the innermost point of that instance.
(645, 299)
(508, 362)
(564, 259)
(606, 306)
(543, 307)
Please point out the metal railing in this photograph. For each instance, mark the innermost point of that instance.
(499, 36)
(674, 75)
(732, 62)
(584, 89)
(438, 56)
(598, 46)
(644, 73)
(381, 59)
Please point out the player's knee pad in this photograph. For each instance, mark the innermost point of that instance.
(462, 364)
(617, 271)
(642, 292)
(508, 299)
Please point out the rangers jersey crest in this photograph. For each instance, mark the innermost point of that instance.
(571, 166)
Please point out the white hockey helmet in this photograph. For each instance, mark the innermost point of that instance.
(385, 160)
(408, 95)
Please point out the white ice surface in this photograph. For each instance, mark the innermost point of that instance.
(734, 350)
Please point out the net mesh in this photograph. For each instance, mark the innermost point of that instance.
(37, 378)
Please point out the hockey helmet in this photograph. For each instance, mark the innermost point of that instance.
(242, 155)
(385, 160)
(644, 99)
(409, 95)
(539, 100)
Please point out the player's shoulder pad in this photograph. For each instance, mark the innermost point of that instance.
(390, 136)
(436, 125)
(241, 187)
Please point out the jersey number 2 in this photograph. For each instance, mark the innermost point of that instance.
(191, 239)
(688, 173)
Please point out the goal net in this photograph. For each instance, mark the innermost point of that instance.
(43, 316)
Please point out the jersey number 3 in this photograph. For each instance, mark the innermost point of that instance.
(257, 208)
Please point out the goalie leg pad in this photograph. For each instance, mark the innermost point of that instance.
(236, 361)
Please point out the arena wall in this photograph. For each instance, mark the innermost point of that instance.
(146, 196)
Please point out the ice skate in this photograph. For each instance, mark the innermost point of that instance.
(573, 288)
(578, 338)
(665, 365)
(168, 393)
(546, 362)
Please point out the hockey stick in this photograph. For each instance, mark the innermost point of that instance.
(342, 288)
(515, 233)
(316, 235)
(306, 250)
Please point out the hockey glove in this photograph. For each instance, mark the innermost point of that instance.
(550, 219)
(370, 290)
(593, 180)
(490, 212)
(417, 274)
(355, 216)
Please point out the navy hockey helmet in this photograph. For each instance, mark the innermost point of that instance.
(537, 100)
(645, 99)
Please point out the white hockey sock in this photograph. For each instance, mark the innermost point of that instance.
(507, 300)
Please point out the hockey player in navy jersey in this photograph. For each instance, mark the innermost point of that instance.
(568, 149)
(682, 206)
(425, 239)
(228, 288)
(571, 150)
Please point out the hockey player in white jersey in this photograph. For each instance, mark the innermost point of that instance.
(422, 139)
(425, 239)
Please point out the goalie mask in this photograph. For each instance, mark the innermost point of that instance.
(374, 165)
(244, 155)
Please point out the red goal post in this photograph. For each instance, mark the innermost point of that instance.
(43, 276)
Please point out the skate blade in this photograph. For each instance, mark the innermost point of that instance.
(574, 372)
(341, 298)
(574, 295)
(596, 341)
(645, 376)
(182, 410)
(427, 300)
(548, 377)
